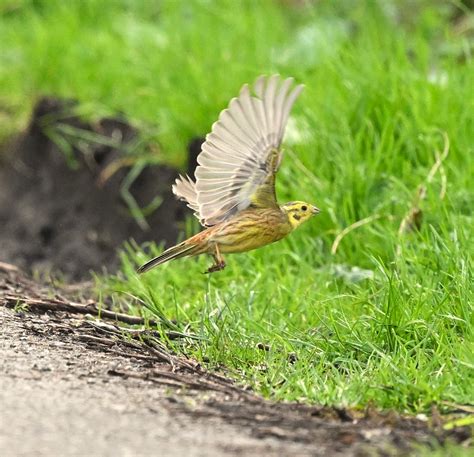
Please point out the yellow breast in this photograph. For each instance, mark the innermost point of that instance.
(251, 229)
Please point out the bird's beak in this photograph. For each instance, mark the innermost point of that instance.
(315, 210)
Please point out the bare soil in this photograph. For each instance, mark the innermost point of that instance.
(62, 210)
(71, 384)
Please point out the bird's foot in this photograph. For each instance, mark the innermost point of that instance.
(216, 267)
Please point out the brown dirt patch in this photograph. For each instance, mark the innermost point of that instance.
(61, 194)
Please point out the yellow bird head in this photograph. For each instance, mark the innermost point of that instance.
(299, 212)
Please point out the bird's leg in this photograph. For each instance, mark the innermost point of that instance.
(219, 263)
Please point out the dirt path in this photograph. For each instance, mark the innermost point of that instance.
(73, 385)
(59, 398)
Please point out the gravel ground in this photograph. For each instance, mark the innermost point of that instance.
(57, 398)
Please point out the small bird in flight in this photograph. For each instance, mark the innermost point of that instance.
(234, 193)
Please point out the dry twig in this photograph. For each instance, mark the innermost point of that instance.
(414, 217)
(341, 235)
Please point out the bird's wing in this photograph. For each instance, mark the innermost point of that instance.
(185, 189)
(241, 155)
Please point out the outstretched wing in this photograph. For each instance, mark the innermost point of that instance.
(241, 155)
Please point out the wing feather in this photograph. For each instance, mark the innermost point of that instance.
(288, 104)
(185, 189)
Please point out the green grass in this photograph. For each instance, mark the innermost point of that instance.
(448, 449)
(388, 318)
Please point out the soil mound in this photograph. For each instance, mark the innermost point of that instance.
(64, 199)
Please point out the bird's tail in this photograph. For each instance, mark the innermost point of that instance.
(180, 250)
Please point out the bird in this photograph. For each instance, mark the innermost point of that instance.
(233, 194)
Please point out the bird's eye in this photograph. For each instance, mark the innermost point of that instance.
(304, 208)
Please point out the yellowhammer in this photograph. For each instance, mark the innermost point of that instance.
(234, 193)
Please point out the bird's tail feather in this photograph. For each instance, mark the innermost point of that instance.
(175, 252)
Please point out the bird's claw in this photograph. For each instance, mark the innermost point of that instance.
(216, 267)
